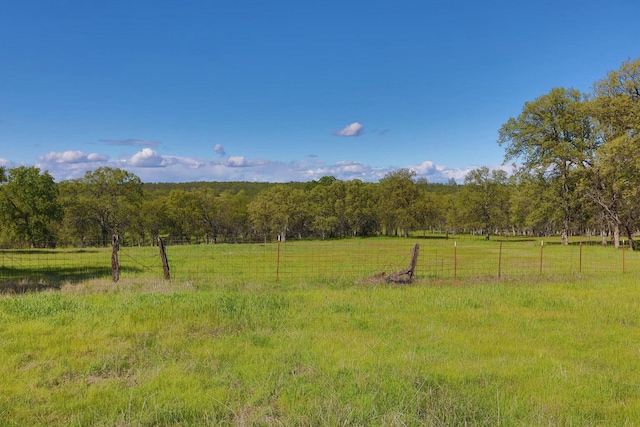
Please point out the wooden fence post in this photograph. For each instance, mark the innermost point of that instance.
(500, 261)
(115, 267)
(455, 260)
(163, 257)
(406, 275)
(541, 247)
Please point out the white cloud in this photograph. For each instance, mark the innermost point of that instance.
(146, 158)
(424, 168)
(354, 129)
(73, 157)
(152, 166)
(218, 148)
(95, 157)
(237, 162)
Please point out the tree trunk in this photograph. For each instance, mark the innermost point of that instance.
(115, 265)
(616, 236)
(603, 237)
(632, 243)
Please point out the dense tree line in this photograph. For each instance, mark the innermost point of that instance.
(577, 170)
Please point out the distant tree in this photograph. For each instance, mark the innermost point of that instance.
(207, 213)
(361, 208)
(428, 210)
(184, 215)
(232, 215)
(398, 195)
(29, 205)
(279, 210)
(153, 218)
(108, 198)
(552, 137)
(485, 200)
(324, 200)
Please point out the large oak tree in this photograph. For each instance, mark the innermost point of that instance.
(552, 137)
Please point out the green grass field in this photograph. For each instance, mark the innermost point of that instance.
(557, 348)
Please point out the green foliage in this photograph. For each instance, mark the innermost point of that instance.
(397, 201)
(104, 202)
(552, 137)
(29, 206)
(486, 200)
(279, 210)
(613, 181)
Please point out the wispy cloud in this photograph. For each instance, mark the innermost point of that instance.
(354, 129)
(218, 148)
(132, 141)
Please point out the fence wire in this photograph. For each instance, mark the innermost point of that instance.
(313, 261)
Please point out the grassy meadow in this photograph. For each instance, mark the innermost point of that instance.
(556, 347)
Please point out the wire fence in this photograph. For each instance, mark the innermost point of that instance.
(357, 259)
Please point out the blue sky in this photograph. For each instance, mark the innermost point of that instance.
(288, 90)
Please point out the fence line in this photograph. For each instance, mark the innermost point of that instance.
(348, 259)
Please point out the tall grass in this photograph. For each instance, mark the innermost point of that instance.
(559, 351)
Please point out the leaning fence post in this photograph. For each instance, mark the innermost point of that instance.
(115, 267)
(163, 257)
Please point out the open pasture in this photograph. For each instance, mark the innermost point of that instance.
(556, 348)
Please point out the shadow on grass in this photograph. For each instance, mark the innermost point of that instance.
(20, 280)
(432, 237)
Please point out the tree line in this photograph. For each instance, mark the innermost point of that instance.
(576, 171)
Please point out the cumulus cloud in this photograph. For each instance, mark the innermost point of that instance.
(146, 158)
(73, 157)
(131, 141)
(218, 148)
(237, 162)
(354, 129)
(424, 168)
